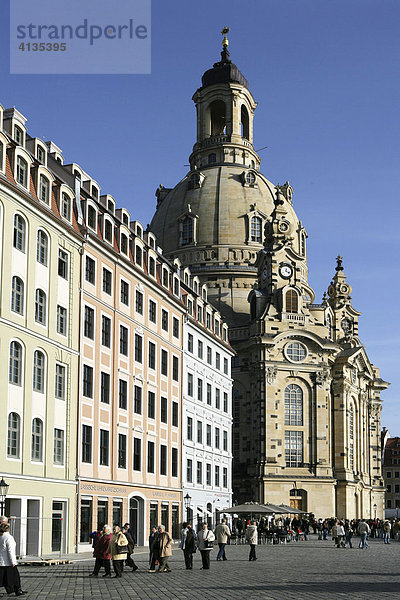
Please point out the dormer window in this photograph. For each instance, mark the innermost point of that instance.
(124, 243)
(176, 286)
(139, 231)
(195, 180)
(187, 231)
(91, 217)
(95, 193)
(40, 154)
(65, 206)
(110, 206)
(138, 255)
(18, 135)
(165, 277)
(77, 174)
(151, 242)
(108, 231)
(44, 189)
(22, 171)
(255, 229)
(152, 266)
(250, 178)
(125, 219)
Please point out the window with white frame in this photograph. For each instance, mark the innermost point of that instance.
(40, 307)
(13, 435)
(17, 295)
(15, 364)
(66, 206)
(61, 320)
(44, 189)
(60, 383)
(37, 440)
(22, 171)
(19, 237)
(58, 454)
(38, 371)
(42, 248)
(256, 229)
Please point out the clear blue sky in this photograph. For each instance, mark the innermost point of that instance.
(326, 76)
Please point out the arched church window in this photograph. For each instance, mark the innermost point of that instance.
(187, 231)
(244, 115)
(351, 437)
(255, 229)
(212, 158)
(292, 301)
(217, 123)
(293, 405)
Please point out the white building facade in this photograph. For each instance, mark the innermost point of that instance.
(206, 411)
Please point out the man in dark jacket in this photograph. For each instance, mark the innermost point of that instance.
(131, 545)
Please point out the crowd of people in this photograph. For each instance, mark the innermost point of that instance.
(115, 545)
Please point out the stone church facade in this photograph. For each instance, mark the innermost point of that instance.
(306, 398)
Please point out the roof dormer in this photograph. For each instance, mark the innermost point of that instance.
(44, 180)
(38, 149)
(14, 125)
(137, 228)
(55, 152)
(124, 216)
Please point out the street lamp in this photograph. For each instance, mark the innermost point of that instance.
(375, 507)
(3, 493)
(187, 499)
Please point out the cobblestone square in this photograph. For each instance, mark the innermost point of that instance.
(310, 570)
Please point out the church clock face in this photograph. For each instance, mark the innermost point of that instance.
(285, 271)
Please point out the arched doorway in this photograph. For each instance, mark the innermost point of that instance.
(298, 499)
(136, 518)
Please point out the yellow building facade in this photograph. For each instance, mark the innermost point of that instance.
(40, 264)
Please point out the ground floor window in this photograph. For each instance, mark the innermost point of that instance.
(165, 516)
(102, 513)
(175, 522)
(117, 512)
(86, 519)
(153, 515)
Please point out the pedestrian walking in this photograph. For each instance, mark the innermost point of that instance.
(131, 545)
(205, 541)
(164, 542)
(102, 554)
(152, 557)
(9, 574)
(348, 534)
(188, 544)
(387, 526)
(363, 530)
(222, 535)
(252, 539)
(118, 550)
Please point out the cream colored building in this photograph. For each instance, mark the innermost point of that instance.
(306, 397)
(40, 263)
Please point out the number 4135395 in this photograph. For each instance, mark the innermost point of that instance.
(43, 47)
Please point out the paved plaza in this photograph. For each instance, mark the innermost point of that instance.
(309, 570)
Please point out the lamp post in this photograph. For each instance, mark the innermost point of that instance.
(375, 507)
(3, 493)
(187, 499)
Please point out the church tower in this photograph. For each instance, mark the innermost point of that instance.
(214, 218)
(306, 398)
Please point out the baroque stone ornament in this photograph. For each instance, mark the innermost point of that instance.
(271, 373)
(320, 377)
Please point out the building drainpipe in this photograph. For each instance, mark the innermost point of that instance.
(78, 437)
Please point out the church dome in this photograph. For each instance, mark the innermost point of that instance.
(214, 219)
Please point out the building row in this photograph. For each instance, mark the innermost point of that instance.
(119, 395)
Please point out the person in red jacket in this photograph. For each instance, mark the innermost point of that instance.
(102, 553)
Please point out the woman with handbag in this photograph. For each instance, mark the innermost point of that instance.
(188, 545)
(118, 550)
(205, 539)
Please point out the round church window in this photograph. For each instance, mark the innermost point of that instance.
(295, 352)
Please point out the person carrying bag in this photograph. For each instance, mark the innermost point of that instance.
(205, 539)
